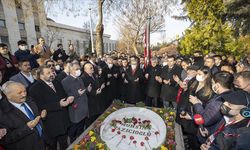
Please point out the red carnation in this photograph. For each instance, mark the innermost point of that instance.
(131, 137)
(142, 143)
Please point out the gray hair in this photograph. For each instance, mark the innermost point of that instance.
(6, 86)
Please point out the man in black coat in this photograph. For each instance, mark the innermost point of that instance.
(21, 118)
(63, 74)
(169, 87)
(51, 96)
(96, 102)
(122, 86)
(111, 73)
(135, 79)
(60, 54)
(152, 75)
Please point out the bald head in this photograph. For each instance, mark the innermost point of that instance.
(15, 92)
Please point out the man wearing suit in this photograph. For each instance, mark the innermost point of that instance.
(78, 110)
(95, 100)
(169, 89)
(51, 96)
(134, 78)
(21, 119)
(111, 73)
(24, 76)
(152, 75)
(64, 73)
(42, 49)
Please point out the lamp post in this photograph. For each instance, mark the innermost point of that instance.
(148, 39)
(91, 32)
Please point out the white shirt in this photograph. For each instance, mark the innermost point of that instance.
(20, 107)
(30, 77)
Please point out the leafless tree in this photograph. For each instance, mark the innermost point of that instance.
(134, 14)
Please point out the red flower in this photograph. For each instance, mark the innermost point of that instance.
(124, 136)
(131, 137)
(113, 130)
(134, 142)
(142, 143)
(146, 138)
(118, 132)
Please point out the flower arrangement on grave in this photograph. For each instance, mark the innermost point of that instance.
(92, 139)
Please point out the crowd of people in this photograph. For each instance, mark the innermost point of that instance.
(49, 97)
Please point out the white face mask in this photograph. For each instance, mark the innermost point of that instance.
(57, 67)
(23, 48)
(133, 67)
(110, 65)
(164, 63)
(78, 73)
(199, 78)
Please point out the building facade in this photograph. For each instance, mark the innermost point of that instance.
(23, 19)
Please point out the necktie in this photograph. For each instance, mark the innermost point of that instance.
(32, 117)
(44, 49)
(52, 86)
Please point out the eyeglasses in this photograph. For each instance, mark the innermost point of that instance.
(51, 65)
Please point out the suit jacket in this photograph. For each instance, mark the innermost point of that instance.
(169, 92)
(135, 89)
(95, 101)
(112, 89)
(57, 120)
(21, 79)
(153, 86)
(78, 110)
(61, 76)
(19, 136)
(60, 54)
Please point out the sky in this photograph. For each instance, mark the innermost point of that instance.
(172, 27)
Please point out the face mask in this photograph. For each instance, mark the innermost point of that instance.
(57, 67)
(23, 48)
(164, 63)
(110, 65)
(199, 78)
(133, 67)
(78, 73)
(225, 111)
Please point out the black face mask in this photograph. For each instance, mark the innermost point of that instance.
(225, 111)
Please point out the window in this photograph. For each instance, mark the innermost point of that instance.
(5, 39)
(37, 28)
(2, 23)
(21, 26)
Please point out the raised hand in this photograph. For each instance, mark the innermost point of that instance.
(31, 124)
(89, 87)
(2, 133)
(136, 80)
(80, 91)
